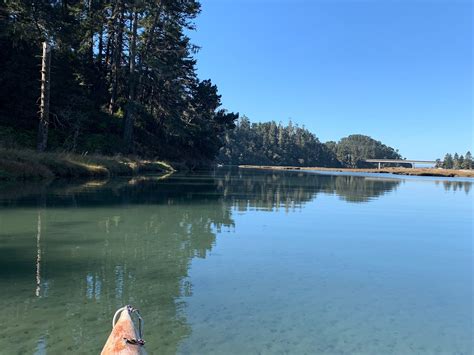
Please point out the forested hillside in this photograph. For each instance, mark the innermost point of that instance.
(272, 143)
(351, 151)
(122, 78)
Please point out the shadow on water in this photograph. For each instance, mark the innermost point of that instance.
(70, 254)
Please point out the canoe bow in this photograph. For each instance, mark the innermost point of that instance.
(124, 339)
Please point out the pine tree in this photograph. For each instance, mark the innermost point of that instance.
(467, 164)
(448, 161)
(456, 161)
(460, 161)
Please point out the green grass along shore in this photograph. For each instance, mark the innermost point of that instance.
(28, 164)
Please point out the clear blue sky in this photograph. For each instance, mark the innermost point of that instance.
(397, 70)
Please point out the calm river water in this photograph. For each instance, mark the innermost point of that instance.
(240, 262)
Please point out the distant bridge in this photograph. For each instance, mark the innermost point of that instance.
(399, 161)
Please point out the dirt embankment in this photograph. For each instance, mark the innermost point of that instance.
(396, 171)
(27, 164)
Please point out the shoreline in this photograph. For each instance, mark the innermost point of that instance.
(31, 165)
(395, 171)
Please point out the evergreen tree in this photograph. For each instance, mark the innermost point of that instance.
(332, 146)
(460, 162)
(467, 164)
(456, 164)
(448, 161)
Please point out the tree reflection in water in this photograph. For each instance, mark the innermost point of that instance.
(109, 243)
(289, 189)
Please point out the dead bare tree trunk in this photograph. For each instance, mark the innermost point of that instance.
(44, 98)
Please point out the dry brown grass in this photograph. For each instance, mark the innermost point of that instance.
(28, 164)
(396, 171)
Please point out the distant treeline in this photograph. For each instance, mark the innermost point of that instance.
(119, 76)
(272, 143)
(455, 161)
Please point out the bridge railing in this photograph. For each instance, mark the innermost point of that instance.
(399, 161)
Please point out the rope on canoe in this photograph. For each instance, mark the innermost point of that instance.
(131, 310)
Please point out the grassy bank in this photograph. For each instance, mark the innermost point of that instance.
(27, 164)
(396, 171)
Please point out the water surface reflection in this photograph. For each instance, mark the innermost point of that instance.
(70, 254)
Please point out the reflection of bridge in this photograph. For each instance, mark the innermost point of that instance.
(399, 161)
